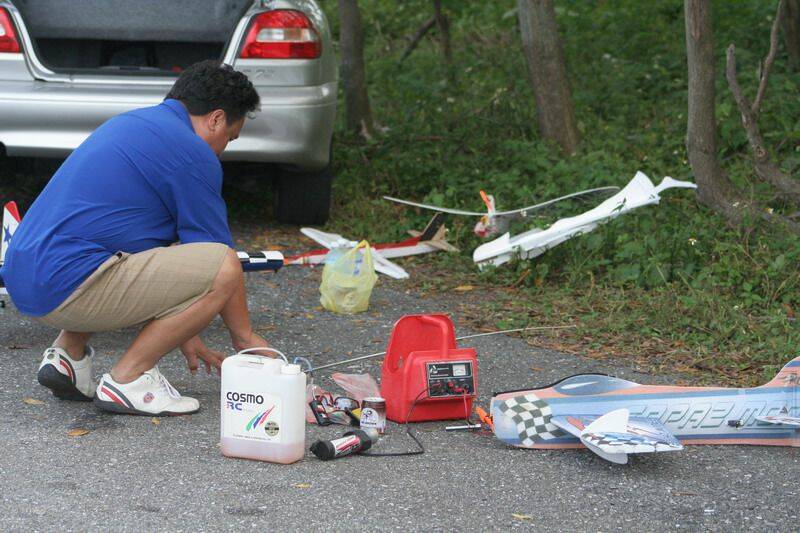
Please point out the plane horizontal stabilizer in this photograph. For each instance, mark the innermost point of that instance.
(780, 420)
(616, 434)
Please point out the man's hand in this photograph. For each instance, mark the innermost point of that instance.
(195, 349)
(251, 340)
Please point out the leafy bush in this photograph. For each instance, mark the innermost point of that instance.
(724, 291)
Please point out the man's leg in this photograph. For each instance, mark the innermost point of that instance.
(73, 342)
(161, 336)
(66, 368)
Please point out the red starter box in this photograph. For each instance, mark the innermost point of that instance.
(425, 376)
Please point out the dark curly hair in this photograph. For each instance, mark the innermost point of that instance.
(209, 85)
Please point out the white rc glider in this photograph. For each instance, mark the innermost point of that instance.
(493, 222)
(431, 239)
(638, 192)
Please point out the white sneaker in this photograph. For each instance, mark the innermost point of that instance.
(150, 394)
(67, 378)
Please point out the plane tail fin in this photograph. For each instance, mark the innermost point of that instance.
(788, 375)
(11, 220)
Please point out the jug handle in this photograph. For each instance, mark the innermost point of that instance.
(437, 321)
(248, 350)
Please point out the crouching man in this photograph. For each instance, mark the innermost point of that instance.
(95, 250)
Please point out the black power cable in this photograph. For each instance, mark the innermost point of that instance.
(421, 449)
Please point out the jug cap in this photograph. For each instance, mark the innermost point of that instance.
(290, 369)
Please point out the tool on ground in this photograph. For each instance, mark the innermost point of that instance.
(484, 417)
(320, 413)
(465, 427)
(262, 408)
(311, 369)
(356, 441)
(423, 357)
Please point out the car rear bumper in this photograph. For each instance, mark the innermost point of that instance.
(49, 119)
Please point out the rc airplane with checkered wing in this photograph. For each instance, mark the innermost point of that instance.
(251, 261)
(614, 417)
(431, 239)
(493, 222)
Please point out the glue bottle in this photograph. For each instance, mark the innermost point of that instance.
(262, 409)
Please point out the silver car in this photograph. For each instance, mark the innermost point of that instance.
(66, 66)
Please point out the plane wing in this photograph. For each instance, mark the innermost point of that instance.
(334, 240)
(328, 240)
(435, 207)
(523, 211)
(616, 434)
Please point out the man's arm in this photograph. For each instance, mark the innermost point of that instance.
(199, 211)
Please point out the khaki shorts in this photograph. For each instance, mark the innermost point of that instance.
(131, 289)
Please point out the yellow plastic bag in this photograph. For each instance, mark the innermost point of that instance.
(347, 282)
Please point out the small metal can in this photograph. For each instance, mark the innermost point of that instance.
(373, 414)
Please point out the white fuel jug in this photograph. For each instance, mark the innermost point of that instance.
(262, 411)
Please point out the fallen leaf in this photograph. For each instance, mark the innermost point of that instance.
(302, 485)
(464, 288)
(77, 432)
(33, 401)
(155, 421)
(309, 315)
(319, 308)
(522, 516)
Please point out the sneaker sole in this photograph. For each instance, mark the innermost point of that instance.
(60, 384)
(113, 407)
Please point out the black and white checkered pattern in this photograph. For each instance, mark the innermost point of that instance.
(617, 439)
(532, 417)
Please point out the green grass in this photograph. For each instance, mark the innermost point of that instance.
(671, 285)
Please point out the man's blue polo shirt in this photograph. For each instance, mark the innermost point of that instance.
(143, 179)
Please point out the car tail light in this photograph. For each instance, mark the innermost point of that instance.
(281, 34)
(8, 37)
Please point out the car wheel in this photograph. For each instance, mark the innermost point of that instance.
(303, 197)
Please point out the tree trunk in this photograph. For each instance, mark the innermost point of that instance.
(351, 39)
(541, 44)
(791, 32)
(766, 169)
(444, 37)
(713, 186)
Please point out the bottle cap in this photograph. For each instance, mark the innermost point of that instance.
(290, 369)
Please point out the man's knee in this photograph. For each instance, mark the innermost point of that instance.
(230, 273)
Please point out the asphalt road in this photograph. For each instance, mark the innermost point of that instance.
(130, 474)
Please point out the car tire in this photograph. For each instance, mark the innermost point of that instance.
(303, 197)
